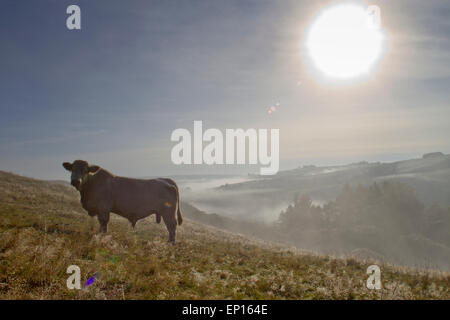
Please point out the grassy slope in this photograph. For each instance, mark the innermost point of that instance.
(43, 230)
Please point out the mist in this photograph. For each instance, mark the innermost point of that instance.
(359, 209)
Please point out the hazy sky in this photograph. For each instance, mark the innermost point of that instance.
(113, 92)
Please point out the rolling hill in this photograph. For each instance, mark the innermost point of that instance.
(43, 230)
(263, 197)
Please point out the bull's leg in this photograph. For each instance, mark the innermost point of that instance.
(171, 224)
(103, 219)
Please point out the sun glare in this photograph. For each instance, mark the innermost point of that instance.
(343, 43)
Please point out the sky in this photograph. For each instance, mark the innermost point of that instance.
(113, 92)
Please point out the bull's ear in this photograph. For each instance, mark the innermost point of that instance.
(67, 166)
(93, 169)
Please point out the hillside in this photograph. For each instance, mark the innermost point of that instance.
(264, 197)
(43, 230)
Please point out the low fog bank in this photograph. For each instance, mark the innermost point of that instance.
(260, 198)
(205, 192)
(382, 222)
(397, 212)
(207, 182)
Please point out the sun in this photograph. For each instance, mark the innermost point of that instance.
(343, 43)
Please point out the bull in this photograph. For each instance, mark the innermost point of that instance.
(134, 199)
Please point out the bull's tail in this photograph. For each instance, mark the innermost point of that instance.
(177, 205)
(179, 217)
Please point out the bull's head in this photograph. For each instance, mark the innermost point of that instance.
(80, 171)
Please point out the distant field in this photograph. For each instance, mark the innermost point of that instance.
(43, 230)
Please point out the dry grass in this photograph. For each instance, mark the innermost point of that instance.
(43, 230)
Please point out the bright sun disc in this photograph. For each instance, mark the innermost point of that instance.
(342, 42)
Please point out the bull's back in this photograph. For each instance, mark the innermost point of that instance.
(139, 196)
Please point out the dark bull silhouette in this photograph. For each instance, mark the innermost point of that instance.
(102, 192)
